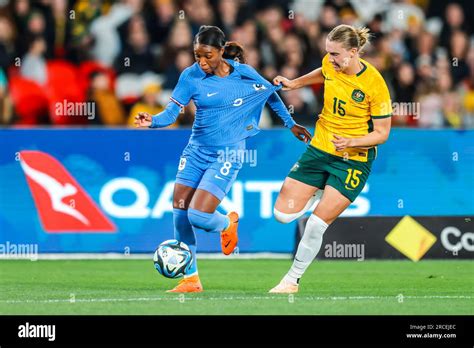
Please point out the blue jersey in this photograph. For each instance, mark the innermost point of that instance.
(228, 109)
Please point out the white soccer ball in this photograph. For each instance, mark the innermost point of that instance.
(173, 258)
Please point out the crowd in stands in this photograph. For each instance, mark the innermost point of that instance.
(125, 56)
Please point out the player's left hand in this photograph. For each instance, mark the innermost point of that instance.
(341, 143)
(143, 119)
(301, 133)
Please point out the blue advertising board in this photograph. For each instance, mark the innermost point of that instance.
(129, 174)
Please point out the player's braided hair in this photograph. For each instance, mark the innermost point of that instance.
(234, 50)
(214, 36)
(210, 35)
(350, 37)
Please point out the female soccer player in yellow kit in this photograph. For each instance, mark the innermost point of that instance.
(354, 120)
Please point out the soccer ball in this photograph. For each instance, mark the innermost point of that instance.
(172, 258)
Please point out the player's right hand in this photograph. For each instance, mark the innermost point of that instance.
(287, 84)
(143, 119)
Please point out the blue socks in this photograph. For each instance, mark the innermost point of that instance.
(209, 222)
(188, 222)
(183, 231)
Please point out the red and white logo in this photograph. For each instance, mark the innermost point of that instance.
(63, 205)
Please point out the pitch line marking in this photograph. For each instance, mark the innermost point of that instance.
(237, 298)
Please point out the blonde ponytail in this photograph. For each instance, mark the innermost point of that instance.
(349, 36)
(364, 36)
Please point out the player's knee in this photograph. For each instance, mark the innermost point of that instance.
(284, 218)
(198, 219)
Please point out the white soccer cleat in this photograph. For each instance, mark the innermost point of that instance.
(285, 287)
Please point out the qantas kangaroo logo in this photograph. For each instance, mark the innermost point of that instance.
(63, 205)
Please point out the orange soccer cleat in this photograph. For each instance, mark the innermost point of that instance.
(229, 237)
(190, 284)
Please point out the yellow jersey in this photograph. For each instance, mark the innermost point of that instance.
(350, 104)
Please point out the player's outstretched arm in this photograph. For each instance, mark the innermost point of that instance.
(315, 76)
(179, 99)
(163, 119)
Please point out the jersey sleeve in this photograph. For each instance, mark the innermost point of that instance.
(167, 117)
(183, 91)
(280, 109)
(380, 103)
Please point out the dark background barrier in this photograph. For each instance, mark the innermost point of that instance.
(365, 238)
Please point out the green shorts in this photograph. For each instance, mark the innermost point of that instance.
(318, 168)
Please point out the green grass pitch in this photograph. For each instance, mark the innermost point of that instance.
(237, 287)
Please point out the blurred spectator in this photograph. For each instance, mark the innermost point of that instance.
(430, 105)
(108, 109)
(7, 43)
(136, 56)
(5, 102)
(198, 12)
(397, 47)
(467, 92)
(62, 27)
(453, 21)
(425, 45)
(33, 64)
(104, 30)
(272, 50)
(404, 92)
(20, 11)
(404, 15)
(81, 41)
(182, 60)
(149, 103)
(300, 108)
(246, 34)
(36, 26)
(253, 57)
(451, 108)
(302, 113)
(376, 28)
(227, 15)
(328, 18)
(180, 38)
(459, 46)
(293, 52)
(468, 104)
(162, 20)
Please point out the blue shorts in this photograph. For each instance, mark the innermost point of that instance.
(210, 168)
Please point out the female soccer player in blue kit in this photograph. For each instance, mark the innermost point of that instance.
(229, 97)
